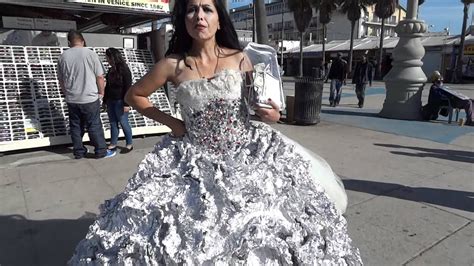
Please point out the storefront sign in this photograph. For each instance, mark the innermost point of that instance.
(152, 5)
(18, 23)
(469, 49)
(38, 24)
(54, 24)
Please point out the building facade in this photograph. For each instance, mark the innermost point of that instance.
(281, 25)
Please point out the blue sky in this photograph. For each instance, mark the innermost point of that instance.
(439, 13)
(442, 14)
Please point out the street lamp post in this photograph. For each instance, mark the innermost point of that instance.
(404, 83)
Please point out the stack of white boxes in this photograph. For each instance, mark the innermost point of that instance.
(33, 112)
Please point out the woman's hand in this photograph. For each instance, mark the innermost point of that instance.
(126, 109)
(269, 115)
(178, 129)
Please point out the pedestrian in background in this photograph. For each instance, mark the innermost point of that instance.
(81, 78)
(45, 38)
(363, 74)
(119, 80)
(337, 75)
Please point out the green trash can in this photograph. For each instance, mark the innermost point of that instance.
(308, 100)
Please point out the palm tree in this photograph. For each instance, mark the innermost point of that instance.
(261, 21)
(302, 13)
(326, 7)
(353, 10)
(383, 9)
(458, 73)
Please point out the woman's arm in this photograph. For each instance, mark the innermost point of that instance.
(127, 83)
(137, 95)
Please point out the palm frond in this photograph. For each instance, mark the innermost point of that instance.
(385, 8)
(302, 13)
(325, 11)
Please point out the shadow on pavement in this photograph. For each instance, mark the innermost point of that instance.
(452, 155)
(456, 199)
(353, 113)
(45, 242)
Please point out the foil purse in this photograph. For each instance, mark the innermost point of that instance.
(264, 81)
(262, 86)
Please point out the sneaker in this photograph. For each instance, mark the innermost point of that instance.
(110, 154)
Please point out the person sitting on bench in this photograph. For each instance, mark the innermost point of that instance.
(440, 95)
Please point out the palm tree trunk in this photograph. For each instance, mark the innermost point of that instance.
(458, 72)
(261, 21)
(351, 49)
(379, 63)
(301, 54)
(323, 62)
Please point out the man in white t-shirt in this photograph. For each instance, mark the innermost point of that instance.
(81, 77)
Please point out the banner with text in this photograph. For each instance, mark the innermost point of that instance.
(162, 6)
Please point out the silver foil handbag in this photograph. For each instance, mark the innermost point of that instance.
(264, 81)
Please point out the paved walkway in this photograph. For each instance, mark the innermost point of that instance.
(410, 186)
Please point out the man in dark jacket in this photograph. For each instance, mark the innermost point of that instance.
(441, 96)
(337, 75)
(362, 76)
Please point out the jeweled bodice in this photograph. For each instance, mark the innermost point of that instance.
(214, 112)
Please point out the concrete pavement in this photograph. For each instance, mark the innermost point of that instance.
(410, 186)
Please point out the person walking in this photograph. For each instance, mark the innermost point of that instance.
(363, 74)
(119, 80)
(337, 75)
(80, 76)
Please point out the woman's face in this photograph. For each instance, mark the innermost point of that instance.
(202, 20)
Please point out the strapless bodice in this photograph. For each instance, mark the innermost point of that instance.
(214, 111)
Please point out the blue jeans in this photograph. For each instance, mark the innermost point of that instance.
(116, 116)
(84, 117)
(335, 91)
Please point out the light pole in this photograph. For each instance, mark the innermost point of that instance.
(254, 38)
(405, 81)
(282, 30)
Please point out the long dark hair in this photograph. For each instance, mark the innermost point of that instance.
(116, 60)
(181, 41)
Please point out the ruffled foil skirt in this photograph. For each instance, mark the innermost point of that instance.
(256, 205)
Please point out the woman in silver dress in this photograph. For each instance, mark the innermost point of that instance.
(220, 189)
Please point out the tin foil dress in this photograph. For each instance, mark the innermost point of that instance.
(230, 192)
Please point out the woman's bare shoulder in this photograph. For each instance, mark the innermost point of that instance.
(170, 61)
(169, 66)
(239, 59)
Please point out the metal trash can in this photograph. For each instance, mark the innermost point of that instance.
(308, 100)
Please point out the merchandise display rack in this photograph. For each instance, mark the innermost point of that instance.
(33, 112)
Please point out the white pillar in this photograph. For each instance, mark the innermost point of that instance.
(404, 83)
